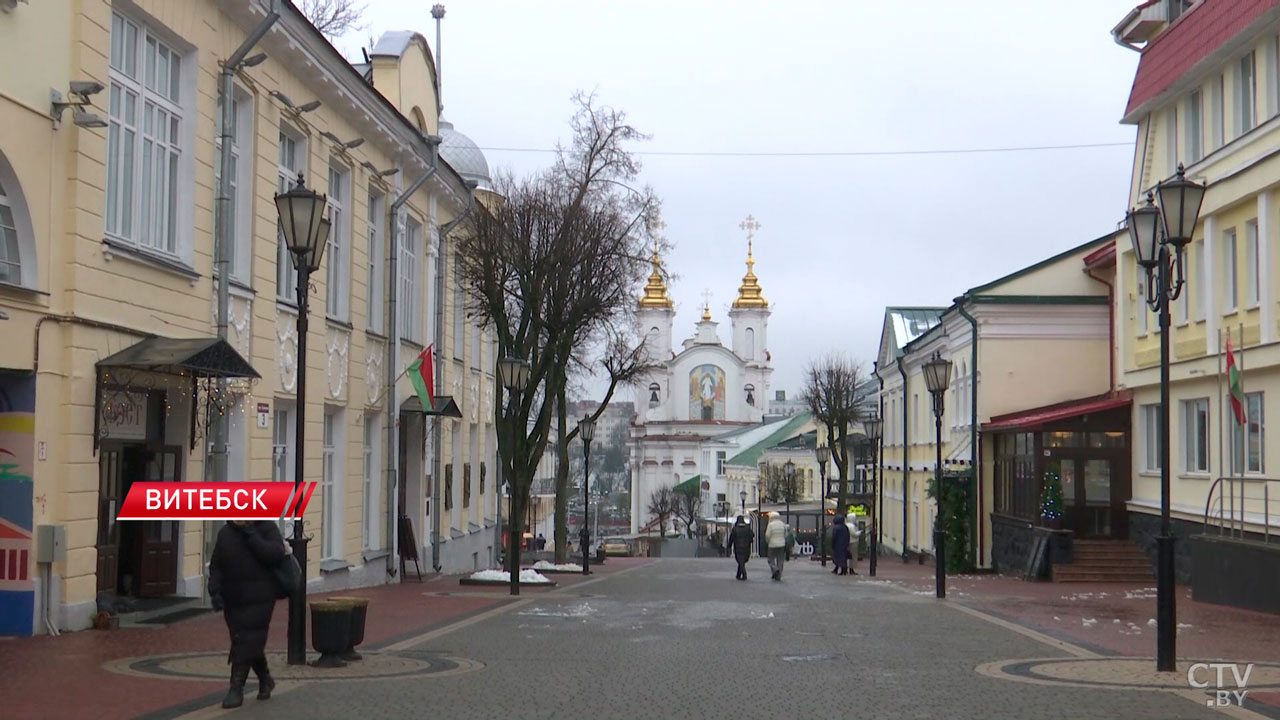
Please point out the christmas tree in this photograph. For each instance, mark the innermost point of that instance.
(1051, 496)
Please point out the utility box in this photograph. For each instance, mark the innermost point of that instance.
(51, 543)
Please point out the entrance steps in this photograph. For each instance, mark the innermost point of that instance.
(1105, 561)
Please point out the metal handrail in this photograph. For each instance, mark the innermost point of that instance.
(1228, 521)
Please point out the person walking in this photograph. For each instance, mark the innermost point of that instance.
(243, 585)
(840, 545)
(775, 538)
(740, 539)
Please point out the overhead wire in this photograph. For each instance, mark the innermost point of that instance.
(839, 153)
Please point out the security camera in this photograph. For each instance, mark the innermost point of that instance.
(85, 88)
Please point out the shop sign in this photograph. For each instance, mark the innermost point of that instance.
(124, 417)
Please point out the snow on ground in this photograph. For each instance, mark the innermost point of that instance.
(565, 567)
(531, 577)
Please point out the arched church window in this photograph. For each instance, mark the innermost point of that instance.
(17, 242)
(751, 393)
(653, 393)
(749, 346)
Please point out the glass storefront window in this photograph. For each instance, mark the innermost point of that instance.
(1063, 439)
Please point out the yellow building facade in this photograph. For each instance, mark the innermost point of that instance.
(109, 313)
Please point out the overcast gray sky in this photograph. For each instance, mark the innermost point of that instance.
(841, 236)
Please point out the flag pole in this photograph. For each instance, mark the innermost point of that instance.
(1243, 431)
(387, 389)
(1222, 419)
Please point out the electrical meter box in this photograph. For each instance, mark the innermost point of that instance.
(51, 543)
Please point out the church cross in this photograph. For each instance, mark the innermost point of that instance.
(751, 226)
(706, 298)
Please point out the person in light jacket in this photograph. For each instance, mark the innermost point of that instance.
(775, 537)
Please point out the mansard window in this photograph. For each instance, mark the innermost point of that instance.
(751, 393)
(654, 389)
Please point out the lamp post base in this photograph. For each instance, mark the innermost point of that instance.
(297, 635)
(940, 563)
(875, 550)
(1166, 606)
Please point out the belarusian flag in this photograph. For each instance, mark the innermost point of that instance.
(423, 379)
(1234, 385)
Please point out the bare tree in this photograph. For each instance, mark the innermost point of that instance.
(662, 502)
(777, 487)
(333, 18)
(550, 264)
(831, 392)
(687, 506)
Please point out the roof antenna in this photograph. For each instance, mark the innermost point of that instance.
(437, 12)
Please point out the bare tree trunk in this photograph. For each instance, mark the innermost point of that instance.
(846, 470)
(562, 478)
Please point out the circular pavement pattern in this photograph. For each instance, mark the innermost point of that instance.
(374, 666)
(1126, 673)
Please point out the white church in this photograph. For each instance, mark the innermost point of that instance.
(702, 390)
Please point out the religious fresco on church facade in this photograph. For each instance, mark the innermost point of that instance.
(706, 393)
(17, 451)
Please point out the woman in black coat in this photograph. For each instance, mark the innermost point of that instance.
(840, 545)
(242, 584)
(740, 539)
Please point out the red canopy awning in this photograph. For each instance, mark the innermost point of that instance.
(1032, 419)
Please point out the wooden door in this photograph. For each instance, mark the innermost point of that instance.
(110, 496)
(158, 550)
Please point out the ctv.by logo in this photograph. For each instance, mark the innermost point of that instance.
(1223, 695)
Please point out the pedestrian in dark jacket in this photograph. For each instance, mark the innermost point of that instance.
(242, 584)
(840, 545)
(740, 539)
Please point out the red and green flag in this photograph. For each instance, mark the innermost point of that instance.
(1234, 385)
(422, 375)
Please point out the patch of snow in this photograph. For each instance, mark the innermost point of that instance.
(1057, 619)
(531, 577)
(567, 567)
(1152, 622)
(1183, 626)
(1116, 621)
(1088, 622)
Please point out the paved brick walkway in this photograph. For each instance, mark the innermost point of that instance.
(66, 677)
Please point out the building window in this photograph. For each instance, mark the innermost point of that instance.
(448, 486)
(750, 345)
(144, 139)
(1171, 140)
(241, 177)
(1195, 433)
(376, 258)
(1230, 272)
(282, 437)
(10, 252)
(1202, 280)
(459, 317)
(331, 483)
(720, 460)
(1273, 66)
(290, 164)
(1151, 423)
(1246, 94)
(372, 470)
(1218, 110)
(1247, 446)
(1195, 135)
(483, 471)
(410, 288)
(1251, 264)
(466, 485)
(337, 258)
(1017, 489)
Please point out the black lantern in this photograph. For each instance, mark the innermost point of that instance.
(937, 374)
(872, 427)
(513, 372)
(305, 227)
(1144, 231)
(1180, 201)
(823, 453)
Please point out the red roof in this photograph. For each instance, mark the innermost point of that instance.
(1195, 35)
(1030, 419)
(1104, 256)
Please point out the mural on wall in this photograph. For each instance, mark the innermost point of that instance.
(706, 393)
(17, 454)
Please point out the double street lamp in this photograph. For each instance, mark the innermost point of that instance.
(588, 427)
(1159, 234)
(306, 232)
(513, 373)
(872, 427)
(823, 453)
(937, 376)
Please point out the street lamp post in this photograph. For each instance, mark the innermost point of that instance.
(873, 426)
(937, 376)
(306, 232)
(513, 372)
(1159, 234)
(588, 428)
(824, 455)
(789, 472)
(742, 495)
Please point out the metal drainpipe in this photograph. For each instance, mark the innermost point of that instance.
(437, 439)
(975, 551)
(880, 470)
(216, 452)
(906, 454)
(393, 358)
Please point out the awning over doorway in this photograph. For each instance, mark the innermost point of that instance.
(445, 406)
(200, 357)
(1035, 418)
(691, 486)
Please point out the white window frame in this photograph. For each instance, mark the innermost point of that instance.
(283, 428)
(1194, 126)
(721, 458)
(332, 495)
(1184, 299)
(1247, 93)
(1151, 438)
(17, 261)
(459, 317)
(1273, 66)
(337, 258)
(371, 538)
(1230, 271)
(149, 141)
(1200, 272)
(1171, 140)
(377, 250)
(242, 135)
(288, 167)
(1218, 103)
(1195, 436)
(410, 281)
(1253, 283)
